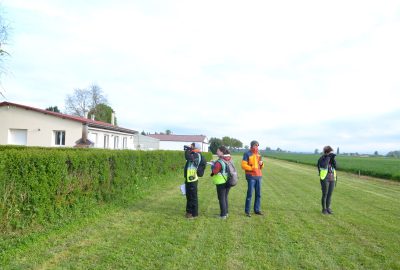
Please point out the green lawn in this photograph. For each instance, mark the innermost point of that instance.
(152, 233)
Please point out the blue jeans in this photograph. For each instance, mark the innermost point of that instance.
(253, 182)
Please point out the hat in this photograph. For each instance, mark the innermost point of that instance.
(253, 143)
(197, 145)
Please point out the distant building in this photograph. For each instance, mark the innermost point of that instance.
(24, 125)
(176, 142)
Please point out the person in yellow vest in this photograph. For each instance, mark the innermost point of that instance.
(192, 156)
(220, 177)
(327, 175)
(252, 164)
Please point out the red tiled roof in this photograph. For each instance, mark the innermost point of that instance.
(179, 138)
(89, 122)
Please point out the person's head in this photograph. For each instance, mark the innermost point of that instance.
(327, 149)
(222, 150)
(254, 144)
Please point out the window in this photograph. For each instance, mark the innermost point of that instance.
(93, 138)
(106, 141)
(125, 143)
(59, 137)
(116, 142)
(17, 136)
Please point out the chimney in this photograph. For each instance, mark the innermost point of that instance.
(84, 133)
(112, 118)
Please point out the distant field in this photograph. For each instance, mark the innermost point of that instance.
(382, 167)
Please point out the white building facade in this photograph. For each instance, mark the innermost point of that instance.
(24, 125)
(176, 142)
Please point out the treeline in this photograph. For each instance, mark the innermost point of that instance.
(229, 142)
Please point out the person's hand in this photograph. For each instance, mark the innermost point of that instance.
(260, 163)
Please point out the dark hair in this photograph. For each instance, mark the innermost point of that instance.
(224, 150)
(252, 143)
(327, 149)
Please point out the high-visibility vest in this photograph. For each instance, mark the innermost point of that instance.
(324, 172)
(222, 176)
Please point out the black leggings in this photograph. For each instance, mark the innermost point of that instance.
(327, 189)
(223, 191)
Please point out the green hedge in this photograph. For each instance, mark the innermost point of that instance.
(39, 185)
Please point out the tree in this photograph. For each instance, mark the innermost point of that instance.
(143, 133)
(376, 153)
(3, 41)
(53, 109)
(316, 151)
(84, 100)
(103, 113)
(214, 144)
(168, 132)
(231, 142)
(337, 152)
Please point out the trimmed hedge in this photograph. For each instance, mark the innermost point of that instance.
(40, 185)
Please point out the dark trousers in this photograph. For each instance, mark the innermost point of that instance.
(223, 191)
(191, 198)
(327, 189)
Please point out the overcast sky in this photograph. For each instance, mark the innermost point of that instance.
(292, 74)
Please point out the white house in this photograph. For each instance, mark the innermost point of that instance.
(24, 125)
(176, 142)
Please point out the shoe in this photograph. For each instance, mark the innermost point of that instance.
(222, 217)
(259, 213)
(248, 215)
(329, 211)
(325, 211)
(188, 215)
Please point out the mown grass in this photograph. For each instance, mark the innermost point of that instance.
(382, 167)
(152, 233)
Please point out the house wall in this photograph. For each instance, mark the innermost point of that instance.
(39, 127)
(97, 135)
(145, 142)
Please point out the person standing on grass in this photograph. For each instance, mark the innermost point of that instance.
(252, 164)
(327, 174)
(220, 177)
(193, 157)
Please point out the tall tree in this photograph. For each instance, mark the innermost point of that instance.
(214, 144)
(53, 109)
(84, 100)
(103, 113)
(3, 41)
(168, 132)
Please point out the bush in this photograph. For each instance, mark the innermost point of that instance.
(39, 185)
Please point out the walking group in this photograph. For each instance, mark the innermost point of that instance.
(252, 164)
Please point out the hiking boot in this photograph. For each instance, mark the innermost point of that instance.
(248, 215)
(325, 211)
(329, 211)
(259, 213)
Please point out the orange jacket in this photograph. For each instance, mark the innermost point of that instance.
(250, 163)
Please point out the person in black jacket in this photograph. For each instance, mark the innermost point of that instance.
(192, 156)
(327, 173)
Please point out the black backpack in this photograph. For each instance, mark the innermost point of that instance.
(202, 165)
(232, 173)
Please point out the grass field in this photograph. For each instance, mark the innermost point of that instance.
(152, 233)
(382, 167)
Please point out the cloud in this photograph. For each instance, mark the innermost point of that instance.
(283, 72)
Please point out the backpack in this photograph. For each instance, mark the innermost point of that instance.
(232, 173)
(202, 165)
(325, 164)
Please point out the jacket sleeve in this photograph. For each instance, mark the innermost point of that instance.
(217, 167)
(245, 163)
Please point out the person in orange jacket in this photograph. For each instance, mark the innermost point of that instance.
(252, 164)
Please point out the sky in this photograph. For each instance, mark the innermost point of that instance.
(297, 75)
